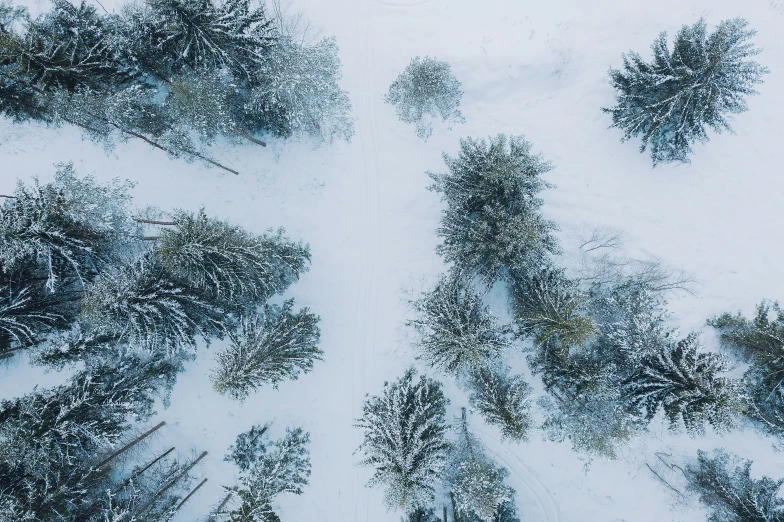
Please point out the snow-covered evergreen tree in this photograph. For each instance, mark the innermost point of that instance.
(549, 307)
(228, 262)
(503, 400)
(476, 483)
(456, 330)
(66, 229)
(139, 303)
(426, 88)
(672, 101)
(51, 440)
(296, 92)
(759, 342)
(268, 348)
(405, 440)
(421, 514)
(492, 225)
(267, 469)
(688, 385)
(725, 486)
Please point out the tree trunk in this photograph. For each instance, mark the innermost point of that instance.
(194, 490)
(248, 137)
(170, 484)
(217, 510)
(132, 443)
(445, 520)
(454, 507)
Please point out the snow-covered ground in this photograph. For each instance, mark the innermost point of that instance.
(532, 68)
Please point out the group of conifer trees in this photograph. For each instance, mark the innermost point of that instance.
(123, 299)
(600, 342)
(176, 74)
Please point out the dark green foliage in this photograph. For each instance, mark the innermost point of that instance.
(267, 469)
(760, 342)
(165, 37)
(548, 307)
(687, 385)
(228, 262)
(140, 304)
(456, 330)
(671, 101)
(426, 88)
(268, 348)
(492, 225)
(421, 514)
(503, 400)
(50, 439)
(725, 486)
(405, 441)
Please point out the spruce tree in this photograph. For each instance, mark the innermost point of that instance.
(687, 385)
(549, 307)
(139, 303)
(760, 342)
(503, 400)
(51, 440)
(421, 514)
(492, 225)
(228, 262)
(456, 330)
(725, 486)
(267, 469)
(405, 442)
(268, 348)
(426, 88)
(672, 101)
(476, 483)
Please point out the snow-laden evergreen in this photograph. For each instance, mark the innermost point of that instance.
(267, 348)
(672, 101)
(456, 331)
(426, 87)
(267, 469)
(229, 263)
(725, 486)
(503, 400)
(759, 342)
(477, 484)
(405, 440)
(492, 224)
(688, 385)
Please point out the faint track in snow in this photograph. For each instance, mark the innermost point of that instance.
(551, 511)
(367, 293)
(402, 3)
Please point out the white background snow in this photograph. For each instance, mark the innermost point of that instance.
(537, 68)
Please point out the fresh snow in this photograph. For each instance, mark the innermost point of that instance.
(532, 68)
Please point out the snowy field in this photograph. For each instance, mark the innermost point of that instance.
(533, 68)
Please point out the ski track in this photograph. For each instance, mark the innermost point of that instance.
(367, 294)
(551, 511)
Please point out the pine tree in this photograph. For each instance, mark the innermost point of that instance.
(296, 92)
(456, 330)
(725, 486)
(267, 469)
(476, 484)
(228, 262)
(405, 441)
(671, 101)
(549, 307)
(492, 225)
(268, 348)
(760, 342)
(426, 88)
(51, 439)
(502, 400)
(65, 229)
(687, 385)
(139, 303)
